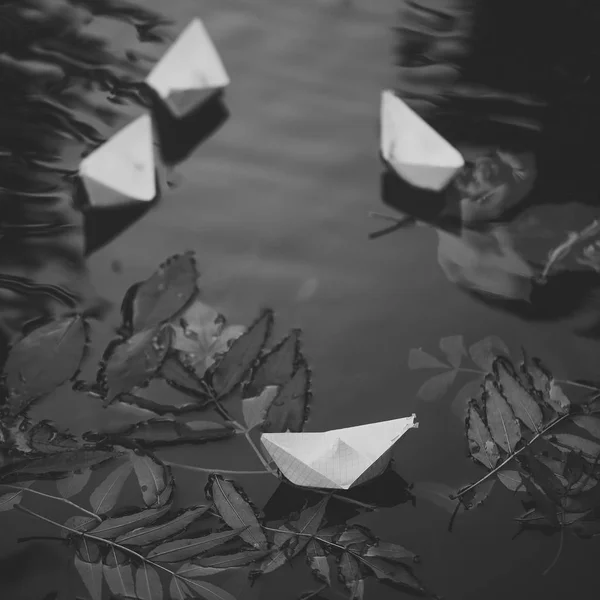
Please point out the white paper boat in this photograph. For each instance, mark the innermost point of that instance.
(416, 151)
(122, 169)
(337, 459)
(189, 72)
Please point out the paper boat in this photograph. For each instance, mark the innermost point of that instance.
(122, 169)
(416, 151)
(336, 459)
(190, 71)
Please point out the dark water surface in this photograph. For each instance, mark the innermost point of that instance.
(276, 205)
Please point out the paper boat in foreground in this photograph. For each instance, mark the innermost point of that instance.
(337, 459)
(122, 169)
(190, 71)
(416, 151)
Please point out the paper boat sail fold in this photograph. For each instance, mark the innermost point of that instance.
(190, 71)
(416, 151)
(336, 459)
(122, 169)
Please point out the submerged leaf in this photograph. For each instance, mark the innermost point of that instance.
(481, 445)
(437, 493)
(105, 496)
(255, 409)
(589, 423)
(470, 390)
(435, 387)
(392, 552)
(395, 572)
(454, 349)
(484, 352)
(351, 576)
(589, 449)
(235, 509)
(154, 477)
(418, 359)
(42, 360)
(74, 483)
(9, 500)
(88, 563)
(316, 557)
(543, 382)
(118, 573)
(147, 583)
(542, 502)
(502, 423)
(244, 351)
(188, 588)
(511, 480)
(161, 296)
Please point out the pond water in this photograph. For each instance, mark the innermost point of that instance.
(275, 204)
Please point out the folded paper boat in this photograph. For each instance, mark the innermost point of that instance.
(336, 459)
(416, 151)
(189, 72)
(122, 169)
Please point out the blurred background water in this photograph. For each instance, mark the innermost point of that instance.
(275, 206)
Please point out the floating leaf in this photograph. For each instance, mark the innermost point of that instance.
(389, 551)
(470, 390)
(154, 478)
(105, 496)
(89, 566)
(163, 295)
(217, 563)
(42, 360)
(183, 379)
(118, 573)
(542, 380)
(433, 389)
(502, 423)
(590, 424)
(9, 500)
(116, 526)
(484, 352)
(511, 480)
(437, 493)
(255, 409)
(351, 576)
(165, 432)
(149, 535)
(79, 523)
(481, 445)
(46, 439)
(147, 583)
(230, 370)
(395, 572)
(316, 557)
(278, 365)
(478, 495)
(526, 409)
(355, 535)
(589, 449)
(418, 359)
(74, 483)
(289, 409)
(188, 588)
(454, 349)
(131, 363)
(235, 509)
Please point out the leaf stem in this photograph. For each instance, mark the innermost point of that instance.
(258, 453)
(577, 384)
(63, 500)
(491, 473)
(222, 471)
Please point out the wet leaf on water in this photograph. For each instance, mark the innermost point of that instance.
(115, 526)
(255, 409)
(511, 480)
(354, 536)
(104, 498)
(227, 561)
(526, 409)
(89, 566)
(45, 438)
(157, 533)
(129, 364)
(419, 359)
(478, 495)
(278, 365)
(165, 432)
(147, 583)
(396, 572)
(350, 575)
(183, 379)
(317, 560)
(484, 352)
(241, 356)
(437, 493)
(235, 509)
(501, 420)
(470, 390)
(589, 423)
(391, 552)
(289, 410)
(589, 449)
(481, 445)
(74, 483)
(189, 588)
(180, 550)
(118, 573)
(42, 360)
(435, 387)
(153, 477)
(161, 296)
(454, 349)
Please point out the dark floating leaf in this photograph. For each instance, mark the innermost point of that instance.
(235, 509)
(454, 349)
(79, 523)
(478, 495)
(88, 563)
(484, 352)
(542, 502)
(589, 449)
(242, 355)
(511, 480)
(144, 536)
(435, 387)
(316, 557)
(167, 432)
(129, 364)
(350, 575)
(154, 477)
(162, 296)
(481, 445)
(502, 423)
(147, 583)
(277, 366)
(418, 359)
(104, 498)
(42, 360)
(289, 409)
(117, 526)
(395, 572)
